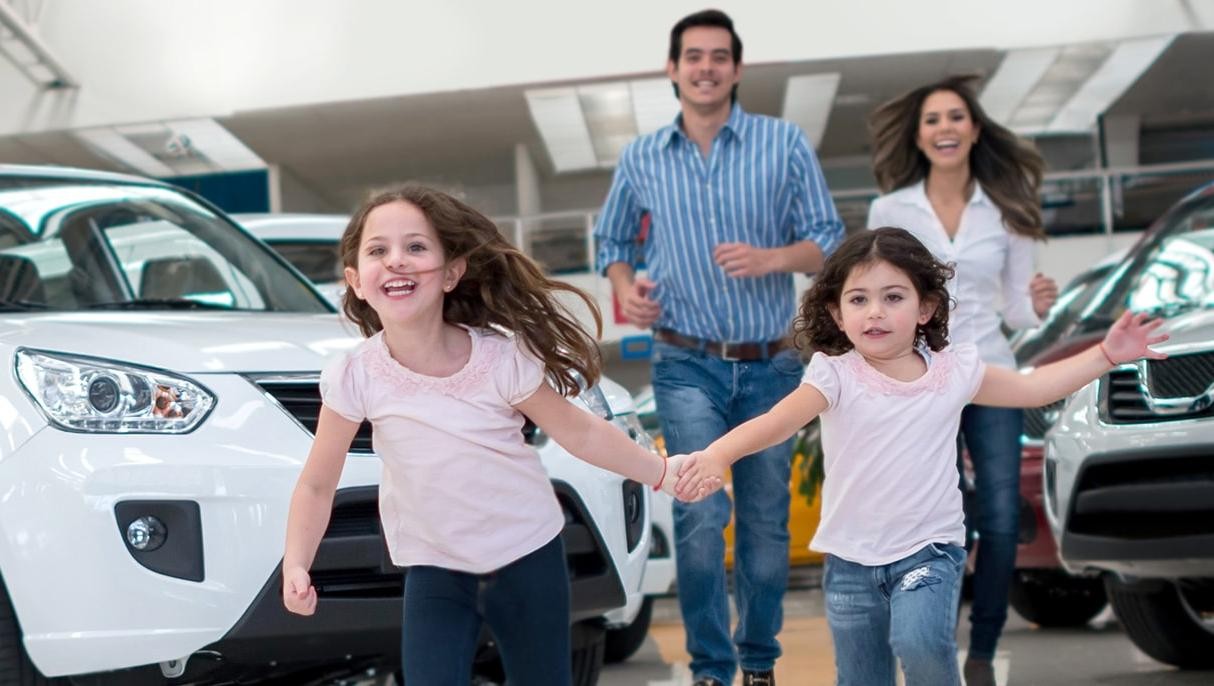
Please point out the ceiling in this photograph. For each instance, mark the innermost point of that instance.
(468, 138)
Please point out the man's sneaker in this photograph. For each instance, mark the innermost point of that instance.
(706, 681)
(767, 678)
(979, 673)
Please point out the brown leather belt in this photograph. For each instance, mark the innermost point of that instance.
(734, 352)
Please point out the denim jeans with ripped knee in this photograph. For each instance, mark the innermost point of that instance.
(905, 610)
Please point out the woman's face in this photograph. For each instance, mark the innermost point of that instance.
(947, 132)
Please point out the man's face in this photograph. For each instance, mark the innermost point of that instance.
(706, 71)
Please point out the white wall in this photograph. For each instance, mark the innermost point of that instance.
(144, 60)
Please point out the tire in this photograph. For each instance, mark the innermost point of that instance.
(1163, 624)
(1052, 598)
(15, 666)
(623, 642)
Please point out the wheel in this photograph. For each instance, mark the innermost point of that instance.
(1171, 623)
(15, 666)
(621, 643)
(586, 643)
(1053, 598)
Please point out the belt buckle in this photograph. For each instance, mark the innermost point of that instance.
(725, 353)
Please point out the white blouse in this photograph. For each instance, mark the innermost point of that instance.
(993, 266)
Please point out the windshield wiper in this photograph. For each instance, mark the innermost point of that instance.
(158, 304)
(20, 306)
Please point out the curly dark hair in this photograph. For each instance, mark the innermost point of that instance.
(815, 328)
(1008, 167)
(501, 287)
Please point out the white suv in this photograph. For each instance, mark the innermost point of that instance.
(1129, 471)
(161, 388)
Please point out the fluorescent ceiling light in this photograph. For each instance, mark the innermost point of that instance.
(177, 148)
(1015, 78)
(607, 109)
(653, 103)
(557, 113)
(588, 126)
(1119, 71)
(808, 100)
(1074, 65)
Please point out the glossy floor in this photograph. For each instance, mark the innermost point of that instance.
(1097, 654)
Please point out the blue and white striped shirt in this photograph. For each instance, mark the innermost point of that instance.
(761, 185)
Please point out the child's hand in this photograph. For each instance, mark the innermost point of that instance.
(298, 595)
(1130, 337)
(674, 464)
(701, 476)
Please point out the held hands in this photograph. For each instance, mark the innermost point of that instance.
(1044, 293)
(298, 595)
(740, 259)
(676, 466)
(636, 305)
(701, 475)
(1130, 338)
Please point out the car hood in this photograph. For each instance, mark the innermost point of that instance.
(1191, 329)
(190, 342)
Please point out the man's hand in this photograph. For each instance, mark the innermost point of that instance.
(1044, 292)
(741, 260)
(636, 305)
(298, 595)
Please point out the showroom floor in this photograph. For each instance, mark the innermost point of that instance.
(1097, 654)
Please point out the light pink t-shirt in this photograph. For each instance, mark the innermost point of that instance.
(890, 452)
(460, 489)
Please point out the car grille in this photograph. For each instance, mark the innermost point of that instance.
(300, 398)
(1144, 498)
(1183, 376)
(353, 561)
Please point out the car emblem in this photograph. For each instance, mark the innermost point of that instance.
(1171, 406)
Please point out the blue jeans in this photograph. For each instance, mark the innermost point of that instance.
(699, 398)
(992, 435)
(905, 610)
(525, 603)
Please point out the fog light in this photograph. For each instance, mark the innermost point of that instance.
(146, 533)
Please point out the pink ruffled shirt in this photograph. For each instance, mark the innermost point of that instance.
(891, 454)
(460, 489)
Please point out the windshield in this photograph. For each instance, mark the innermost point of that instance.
(1170, 271)
(70, 245)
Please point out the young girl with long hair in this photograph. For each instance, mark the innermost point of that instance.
(890, 391)
(966, 187)
(465, 335)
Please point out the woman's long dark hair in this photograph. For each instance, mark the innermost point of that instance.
(1008, 167)
(815, 327)
(501, 286)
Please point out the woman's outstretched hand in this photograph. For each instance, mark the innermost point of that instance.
(1131, 337)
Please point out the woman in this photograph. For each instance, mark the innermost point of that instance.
(966, 187)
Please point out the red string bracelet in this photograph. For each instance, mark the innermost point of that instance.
(1106, 354)
(658, 485)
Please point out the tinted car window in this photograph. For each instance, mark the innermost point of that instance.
(320, 261)
(74, 245)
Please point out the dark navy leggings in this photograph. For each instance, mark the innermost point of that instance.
(525, 604)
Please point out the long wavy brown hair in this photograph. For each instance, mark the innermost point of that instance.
(501, 287)
(815, 327)
(1008, 167)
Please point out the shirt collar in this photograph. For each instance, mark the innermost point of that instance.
(918, 196)
(736, 125)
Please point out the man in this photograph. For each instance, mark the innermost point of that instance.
(737, 203)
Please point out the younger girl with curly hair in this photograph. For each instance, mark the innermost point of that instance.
(890, 390)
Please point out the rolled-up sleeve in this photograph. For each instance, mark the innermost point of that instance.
(619, 222)
(813, 212)
(1017, 310)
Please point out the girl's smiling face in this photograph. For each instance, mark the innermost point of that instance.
(402, 270)
(880, 310)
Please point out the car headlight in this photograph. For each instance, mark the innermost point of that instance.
(97, 396)
(596, 400)
(637, 432)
